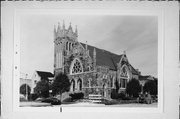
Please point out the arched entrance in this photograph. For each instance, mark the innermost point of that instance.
(72, 88)
(79, 84)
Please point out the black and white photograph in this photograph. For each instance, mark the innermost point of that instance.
(88, 60)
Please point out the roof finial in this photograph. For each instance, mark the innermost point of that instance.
(86, 45)
(124, 52)
(76, 31)
(54, 28)
(63, 25)
(59, 27)
(70, 27)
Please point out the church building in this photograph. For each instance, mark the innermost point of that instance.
(91, 70)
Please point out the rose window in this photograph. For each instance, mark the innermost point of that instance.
(77, 68)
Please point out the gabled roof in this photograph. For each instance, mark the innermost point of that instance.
(44, 74)
(134, 71)
(103, 57)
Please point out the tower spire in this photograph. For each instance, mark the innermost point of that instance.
(59, 27)
(124, 52)
(70, 27)
(94, 59)
(63, 25)
(55, 31)
(54, 28)
(86, 46)
(76, 31)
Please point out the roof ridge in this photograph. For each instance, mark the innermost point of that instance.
(102, 49)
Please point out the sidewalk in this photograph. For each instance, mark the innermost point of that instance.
(34, 104)
(81, 104)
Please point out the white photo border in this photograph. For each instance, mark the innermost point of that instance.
(165, 44)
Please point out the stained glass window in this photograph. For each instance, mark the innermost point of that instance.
(124, 72)
(77, 68)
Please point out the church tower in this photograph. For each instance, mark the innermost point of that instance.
(64, 40)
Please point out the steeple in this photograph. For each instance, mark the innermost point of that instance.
(76, 31)
(70, 27)
(55, 31)
(54, 28)
(86, 46)
(124, 52)
(63, 25)
(59, 28)
(94, 59)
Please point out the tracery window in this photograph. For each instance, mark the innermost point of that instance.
(77, 67)
(124, 72)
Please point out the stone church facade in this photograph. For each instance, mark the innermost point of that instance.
(91, 70)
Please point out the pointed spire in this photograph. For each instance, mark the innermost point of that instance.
(70, 27)
(63, 25)
(124, 52)
(59, 27)
(86, 45)
(76, 31)
(55, 32)
(54, 28)
(94, 59)
(94, 52)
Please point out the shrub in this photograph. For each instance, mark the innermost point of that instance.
(60, 84)
(151, 87)
(127, 98)
(121, 95)
(32, 97)
(75, 96)
(133, 88)
(109, 102)
(114, 94)
(42, 88)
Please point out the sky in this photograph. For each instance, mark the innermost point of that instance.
(137, 35)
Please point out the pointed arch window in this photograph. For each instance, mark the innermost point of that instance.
(76, 67)
(79, 83)
(66, 45)
(72, 85)
(89, 82)
(69, 46)
(124, 72)
(124, 77)
(111, 81)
